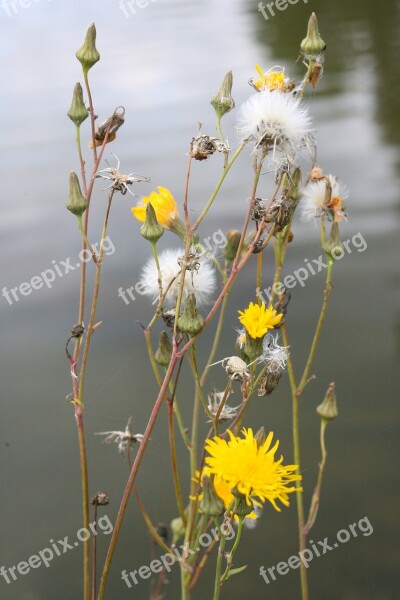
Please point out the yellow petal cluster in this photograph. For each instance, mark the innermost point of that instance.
(164, 205)
(271, 80)
(251, 468)
(257, 319)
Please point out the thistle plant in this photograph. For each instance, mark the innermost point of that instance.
(235, 473)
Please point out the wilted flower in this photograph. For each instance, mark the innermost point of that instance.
(252, 469)
(322, 197)
(125, 439)
(214, 402)
(273, 355)
(200, 281)
(273, 79)
(277, 121)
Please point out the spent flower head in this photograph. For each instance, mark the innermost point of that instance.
(278, 122)
(125, 439)
(200, 281)
(214, 402)
(324, 197)
(251, 468)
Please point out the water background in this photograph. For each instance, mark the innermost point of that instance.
(163, 63)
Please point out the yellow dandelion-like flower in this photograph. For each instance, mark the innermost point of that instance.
(251, 468)
(166, 210)
(258, 319)
(223, 491)
(271, 80)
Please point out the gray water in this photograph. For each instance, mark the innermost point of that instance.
(163, 63)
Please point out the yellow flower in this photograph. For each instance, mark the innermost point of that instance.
(251, 468)
(271, 80)
(258, 319)
(166, 210)
(223, 491)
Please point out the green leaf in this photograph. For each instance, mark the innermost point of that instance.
(235, 571)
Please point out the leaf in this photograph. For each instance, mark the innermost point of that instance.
(235, 571)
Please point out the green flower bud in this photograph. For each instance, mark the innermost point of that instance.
(164, 350)
(190, 321)
(76, 202)
(223, 101)
(333, 246)
(253, 347)
(88, 54)
(211, 504)
(295, 185)
(77, 111)
(260, 436)
(240, 507)
(233, 240)
(313, 44)
(151, 229)
(177, 528)
(328, 408)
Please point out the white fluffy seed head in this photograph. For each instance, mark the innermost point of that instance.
(277, 119)
(200, 281)
(315, 197)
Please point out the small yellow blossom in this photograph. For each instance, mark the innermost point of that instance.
(164, 205)
(271, 80)
(251, 468)
(258, 319)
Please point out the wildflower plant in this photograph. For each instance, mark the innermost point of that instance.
(235, 475)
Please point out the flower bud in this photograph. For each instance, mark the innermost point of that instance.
(232, 244)
(190, 321)
(223, 101)
(260, 436)
(177, 528)
(253, 347)
(164, 350)
(151, 230)
(328, 407)
(210, 504)
(295, 185)
(333, 245)
(77, 111)
(312, 44)
(240, 507)
(76, 202)
(88, 54)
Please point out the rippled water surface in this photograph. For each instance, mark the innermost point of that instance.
(163, 63)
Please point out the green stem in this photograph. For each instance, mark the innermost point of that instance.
(217, 187)
(312, 515)
(229, 560)
(85, 498)
(218, 568)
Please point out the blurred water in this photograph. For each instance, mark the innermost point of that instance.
(163, 64)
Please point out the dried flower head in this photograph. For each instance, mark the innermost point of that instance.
(125, 439)
(119, 182)
(200, 281)
(274, 356)
(214, 402)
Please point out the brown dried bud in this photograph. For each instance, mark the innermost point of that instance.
(202, 146)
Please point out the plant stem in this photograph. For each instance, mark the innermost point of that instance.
(85, 498)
